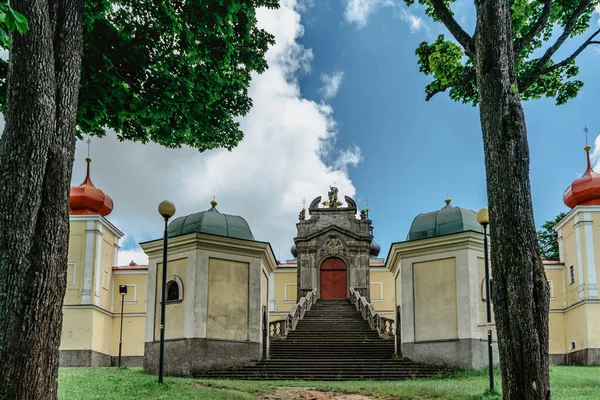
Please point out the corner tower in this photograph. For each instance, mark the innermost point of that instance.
(333, 247)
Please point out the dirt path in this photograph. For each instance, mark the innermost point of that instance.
(294, 393)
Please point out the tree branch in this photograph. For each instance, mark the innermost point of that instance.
(464, 78)
(521, 43)
(574, 55)
(445, 15)
(539, 67)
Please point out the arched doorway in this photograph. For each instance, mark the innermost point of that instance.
(333, 279)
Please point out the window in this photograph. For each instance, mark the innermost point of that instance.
(71, 273)
(572, 346)
(483, 291)
(174, 289)
(571, 274)
(105, 280)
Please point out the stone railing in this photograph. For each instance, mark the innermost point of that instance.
(386, 327)
(281, 327)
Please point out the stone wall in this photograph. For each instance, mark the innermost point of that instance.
(191, 357)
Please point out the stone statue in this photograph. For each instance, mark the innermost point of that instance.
(363, 215)
(333, 200)
(302, 215)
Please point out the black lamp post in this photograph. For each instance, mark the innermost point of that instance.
(123, 292)
(483, 219)
(166, 209)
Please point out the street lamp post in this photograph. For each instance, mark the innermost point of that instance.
(483, 219)
(123, 292)
(166, 209)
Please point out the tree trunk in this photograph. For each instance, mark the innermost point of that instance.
(36, 157)
(521, 296)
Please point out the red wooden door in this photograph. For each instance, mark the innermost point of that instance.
(333, 279)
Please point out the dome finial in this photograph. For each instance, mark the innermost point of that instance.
(587, 149)
(448, 200)
(213, 202)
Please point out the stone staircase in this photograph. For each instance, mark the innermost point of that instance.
(331, 342)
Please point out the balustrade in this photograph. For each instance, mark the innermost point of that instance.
(281, 327)
(385, 326)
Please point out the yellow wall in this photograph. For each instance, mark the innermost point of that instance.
(576, 327)
(435, 307)
(285, 285)
(570, 257)
(556, 325)
(102, 332)
(106, 264)
(76, 259)
(135, 299)
(593, 324)
(76, 329)
(133, 335)
(555, 282)
(596, 239)
(227, 310)
(175, 311)
(382, 291)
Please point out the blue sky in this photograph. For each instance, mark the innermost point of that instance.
(415, 153)
(343, 104)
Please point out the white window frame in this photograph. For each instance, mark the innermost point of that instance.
(285, 293)
(74, 273)
(105, 279)
(381, 299)
(134, 286)
(178, 282)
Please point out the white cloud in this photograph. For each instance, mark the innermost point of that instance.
(357, 11)
(595, 155)
(348, 157)
(264, 179)
(415, 22)
(331, 84)
(597, 11)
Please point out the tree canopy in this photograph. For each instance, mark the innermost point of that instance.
(548, 239)
(534, 24)
(171, 72)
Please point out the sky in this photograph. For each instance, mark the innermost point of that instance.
(343, 104)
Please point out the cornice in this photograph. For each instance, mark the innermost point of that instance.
(99, 218)
(573, 212)
(468, 240)
(204, 241)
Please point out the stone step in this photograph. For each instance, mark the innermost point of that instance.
(331, 342)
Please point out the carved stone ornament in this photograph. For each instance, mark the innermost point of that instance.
(333, 246)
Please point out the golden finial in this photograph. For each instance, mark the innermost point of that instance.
(587, 148)
(448, 200)
(88, 142)
(213, 202)
(88, 160)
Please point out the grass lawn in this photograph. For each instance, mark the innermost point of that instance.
(112, 383)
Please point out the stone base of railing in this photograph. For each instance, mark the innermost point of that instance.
(279, 329)
(386, 327)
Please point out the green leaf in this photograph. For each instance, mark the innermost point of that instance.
(20, 21)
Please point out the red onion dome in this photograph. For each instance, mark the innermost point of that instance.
(88, 199)
(584, 191)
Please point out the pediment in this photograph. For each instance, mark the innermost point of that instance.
(332, 229)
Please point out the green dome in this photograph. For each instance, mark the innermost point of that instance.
(448, 220)
(211, 222)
